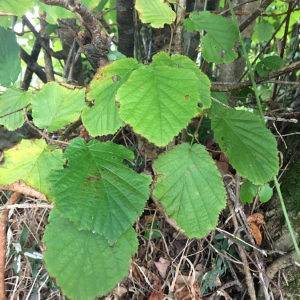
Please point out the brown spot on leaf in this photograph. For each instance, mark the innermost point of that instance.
(91, 178)
(187, 97)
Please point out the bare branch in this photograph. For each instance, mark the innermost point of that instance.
(32, 65)
(255, 14)
(94, 42)
(229, 86)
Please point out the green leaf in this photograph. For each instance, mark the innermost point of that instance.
(221, 35)
(265, 193)
(249, 146)
(56, 106)
(190, 188)
(90, 4)
(273, 62)
(217, 107)
(10, 101)
(155, 12)
(16, 7)
(10, 64)
(261, 69)
(115, 55)
(152, 232)
(247, 42)
(82, 261)
(248, 192)
(53, 13)
(158, 102)
(100, 193)
(264, 31)
(6, 21)
(103, 117)
(181, 61)
(31, 161)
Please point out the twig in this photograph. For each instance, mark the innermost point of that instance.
(98, 49)
(33, 65)
(70, 129)
(282, 139)
(219, 102)
(3, 219)
(22, 188)
(42, 133)
(12, 112)
(28, 73)
(281, 119)
(248, 277)
(28, 205)
(255, 14)
(229, 86)
(2, 14)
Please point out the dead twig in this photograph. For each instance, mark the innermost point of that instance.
(3, 219)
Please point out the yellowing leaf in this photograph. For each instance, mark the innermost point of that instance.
(163, 96)
(32, 162)
(155, 12)
(103, 117)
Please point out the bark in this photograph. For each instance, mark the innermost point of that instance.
(178, 39)
(28, 73)
(233, 86)
(47, 57)
(233, 71)
(93, 42)
(32, 65)
(73, 67)
(125, 27)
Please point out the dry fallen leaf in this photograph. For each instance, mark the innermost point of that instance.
(255, 233)
(157, 294)
(162, 266)
(223, 167)
(184, 292)
(257, 219)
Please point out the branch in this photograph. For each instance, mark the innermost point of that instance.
(125, 14)
(47, 57)
(3, 220)
(229, 87)
(28, 73)
(58, 55)
(255, 14)
(32, 65)
(180, 15)
(94, 43)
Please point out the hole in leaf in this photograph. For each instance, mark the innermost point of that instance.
(222, 53)
(116, 78)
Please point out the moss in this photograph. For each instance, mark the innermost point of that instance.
(291, 191)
